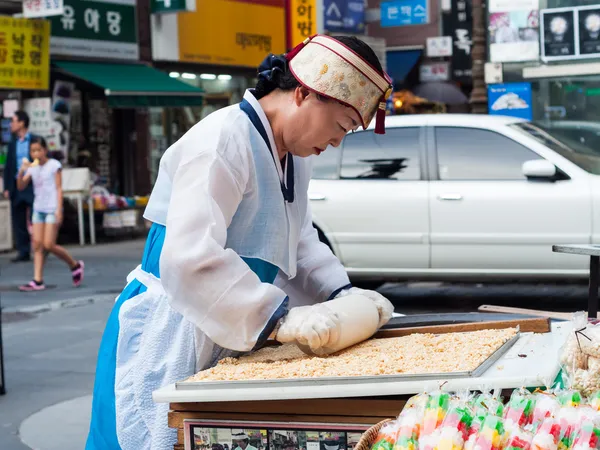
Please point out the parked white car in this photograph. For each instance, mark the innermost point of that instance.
(451, 197)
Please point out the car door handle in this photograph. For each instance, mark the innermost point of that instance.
(450, 197)
(315, 196)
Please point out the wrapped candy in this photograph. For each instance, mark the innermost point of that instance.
(547, 436)
(386, 438)
(570, 398)
(519, 409)
(435, 412)
(594, 400)
(587, 437)
(454, 430)
(519, 439)
(409, 427)
(417, 401)
(568, 418)
(546, 405)
(488, 404)
(491, 434)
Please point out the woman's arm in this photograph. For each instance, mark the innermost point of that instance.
(59, 196)
(23, 177)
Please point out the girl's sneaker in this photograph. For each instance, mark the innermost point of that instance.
(32, 286)
(77, 273)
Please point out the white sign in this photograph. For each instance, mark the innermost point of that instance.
(439, 46)
(42, 8)
(493, 73)
(434, 72)
(512, 5)
(40, 118)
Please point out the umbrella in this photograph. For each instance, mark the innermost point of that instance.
(441, 92)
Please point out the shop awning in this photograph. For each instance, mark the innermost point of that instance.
(400, 63)
(134, 85)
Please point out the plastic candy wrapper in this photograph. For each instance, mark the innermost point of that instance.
(491, 436)
(568, 419)
(435, 413)
(587, 437)
(454, 431)
(547, 436)
(519, 410)
(518, 439)
(594, 400)
(386, 438)
(570, 398)
(546, 405)
(487, 403)
(409, 428)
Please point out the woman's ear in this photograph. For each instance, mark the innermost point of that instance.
(300, 94)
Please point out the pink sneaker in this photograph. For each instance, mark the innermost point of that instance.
(32, 286)
(77, 273)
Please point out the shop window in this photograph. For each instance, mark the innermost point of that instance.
(474, 154)
(393, 155)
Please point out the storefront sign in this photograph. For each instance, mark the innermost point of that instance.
(459, 25)
(344, 16)
(42, 8)
(99, 29)
(404, 12)
(512, 5)
(514, 35)
(439, 46)
(303, 20)
(434, 72)
(510, 99)
(559, 37)
(172, 6)
(24, 54)
(254, 28)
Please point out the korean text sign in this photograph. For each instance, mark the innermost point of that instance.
(24, 53)
(231, 32)
(303, 20)
(102, 29)
(404, 12)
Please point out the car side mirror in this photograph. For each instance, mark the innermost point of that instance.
(539, 168)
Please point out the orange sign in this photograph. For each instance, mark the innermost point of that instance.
(232, 32)
(303, 20)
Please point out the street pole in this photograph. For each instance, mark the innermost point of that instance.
(2, 382)
(478, 100)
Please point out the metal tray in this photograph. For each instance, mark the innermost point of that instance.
(298, 382)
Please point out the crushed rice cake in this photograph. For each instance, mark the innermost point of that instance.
(414, 354)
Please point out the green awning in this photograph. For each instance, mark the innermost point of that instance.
(134, 85)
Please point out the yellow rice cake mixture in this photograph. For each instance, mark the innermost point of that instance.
(414, 354)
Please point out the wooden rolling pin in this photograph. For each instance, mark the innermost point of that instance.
(527, 312)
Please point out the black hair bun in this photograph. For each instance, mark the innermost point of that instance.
(272, 69)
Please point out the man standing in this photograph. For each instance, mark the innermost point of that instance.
(20, 201)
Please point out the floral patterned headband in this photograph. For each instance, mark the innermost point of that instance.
(326, 66)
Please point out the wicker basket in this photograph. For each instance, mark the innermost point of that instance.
(368, 438)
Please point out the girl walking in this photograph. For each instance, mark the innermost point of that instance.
(46, 175)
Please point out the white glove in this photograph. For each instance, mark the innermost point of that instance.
(315, 326)
(384, 306)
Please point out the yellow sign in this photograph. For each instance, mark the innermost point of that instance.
(303, 20)
(24, 54)
(232, 32)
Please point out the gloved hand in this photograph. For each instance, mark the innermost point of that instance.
(315, 326)
(384, 306)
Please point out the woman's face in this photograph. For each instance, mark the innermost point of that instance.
(315, 123)
(37, 151)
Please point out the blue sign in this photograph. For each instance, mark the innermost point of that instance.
(344, 16)
(510, 99)
(403, 12)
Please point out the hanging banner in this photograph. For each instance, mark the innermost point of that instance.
(40, 119)
(510, 99)
(458, 24)
(303, 20)
(24, 54)
(42, 8)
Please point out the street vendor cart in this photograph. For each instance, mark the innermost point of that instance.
(332, 413)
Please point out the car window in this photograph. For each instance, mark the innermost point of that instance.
(326, 166)
(475, 154)
(393, 155)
